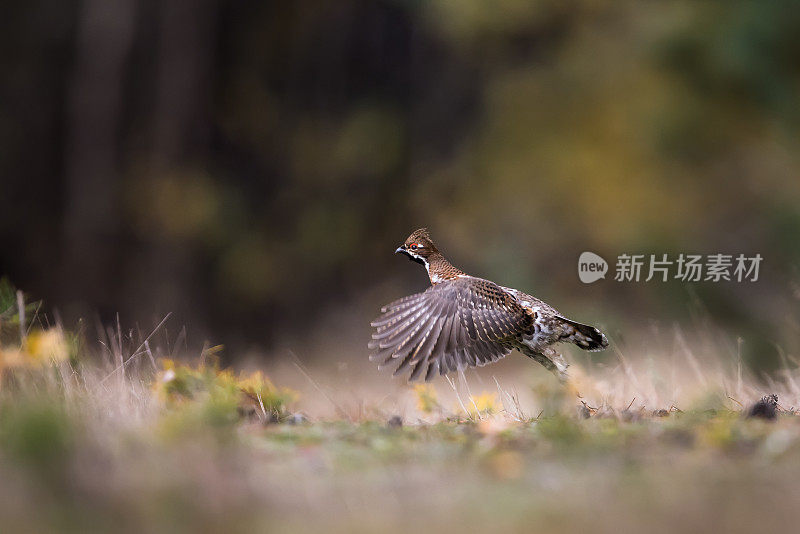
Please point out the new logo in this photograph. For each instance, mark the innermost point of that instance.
(591, 267)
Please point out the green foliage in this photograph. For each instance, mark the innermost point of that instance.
(37, 433)
(8, 297)
(207, 395)
(9, 312)
(563, 431)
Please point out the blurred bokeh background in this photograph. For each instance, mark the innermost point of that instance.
(251, 166)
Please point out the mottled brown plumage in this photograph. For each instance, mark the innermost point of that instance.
(463, 321)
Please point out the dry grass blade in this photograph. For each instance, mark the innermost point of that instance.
(137, 352)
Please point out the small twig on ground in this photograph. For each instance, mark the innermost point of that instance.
(150, 354)
(453, 385)
(261, 403)
(518, 405)
(463, 379)
(34, 318)
(736, 401)
(631, 403)
(304, 372)
(590, 408)
(519, 415)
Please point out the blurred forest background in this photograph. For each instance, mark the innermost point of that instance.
(251, 166)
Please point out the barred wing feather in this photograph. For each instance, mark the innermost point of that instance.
(460, 323)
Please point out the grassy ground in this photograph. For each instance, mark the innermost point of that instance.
(89, 443)
(81, 468)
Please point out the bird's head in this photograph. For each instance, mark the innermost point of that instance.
(418, 247)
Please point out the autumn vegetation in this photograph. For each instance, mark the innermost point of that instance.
(111, 435)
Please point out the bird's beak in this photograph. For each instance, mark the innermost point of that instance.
(404, 251)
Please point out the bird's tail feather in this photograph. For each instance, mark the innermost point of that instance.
(584, 336)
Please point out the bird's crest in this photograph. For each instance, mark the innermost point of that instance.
(422, 237)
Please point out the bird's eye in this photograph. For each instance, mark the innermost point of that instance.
(414, 246)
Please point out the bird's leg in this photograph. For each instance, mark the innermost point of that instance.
(558, 365)
(555, 363)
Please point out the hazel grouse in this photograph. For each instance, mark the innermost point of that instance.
(463, 321)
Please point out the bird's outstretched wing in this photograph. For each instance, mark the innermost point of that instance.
(463, 322)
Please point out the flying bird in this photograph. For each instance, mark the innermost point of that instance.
(464, 321)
